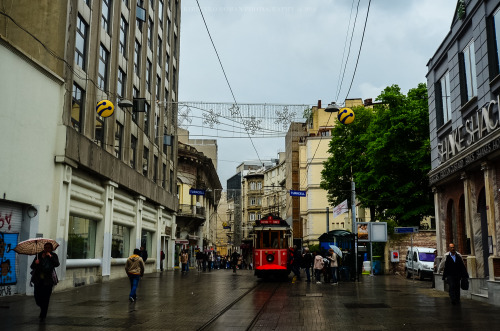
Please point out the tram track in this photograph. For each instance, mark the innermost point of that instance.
(210, 323)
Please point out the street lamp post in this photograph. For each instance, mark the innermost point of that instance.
(354, 228)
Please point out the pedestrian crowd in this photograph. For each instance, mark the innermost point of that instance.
(320, 266)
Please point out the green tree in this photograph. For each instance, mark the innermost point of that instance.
(390, 158)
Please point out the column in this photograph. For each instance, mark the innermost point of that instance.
(471, 259)
(109, 196)
(440, 234)
(136, 233)
(160, 232)
(64, 191)
(489, 190)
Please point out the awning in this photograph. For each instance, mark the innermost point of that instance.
(182, 241)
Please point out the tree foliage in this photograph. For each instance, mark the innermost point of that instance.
(386, 151)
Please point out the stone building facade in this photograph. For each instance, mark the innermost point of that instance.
(463, 87)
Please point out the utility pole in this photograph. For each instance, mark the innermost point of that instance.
(354, 228)
(327, 219)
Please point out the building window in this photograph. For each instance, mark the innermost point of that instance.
(158, 87)
(121, 83)
(106, 15)
(468, 83)
(133, 151)
(137, 58)
(259, 186)
(493, 43)
(123, 36)
(252, 186)
(150, 34)
(102, 76)
(81, 238)
(167, 61)
(77, 108)
(145, 162)
(164, 145)
(155, 170)
(443, 100)
(118, 140)
(160, 13)
(171, 186)
(148, 76)
(175, 46)
(159, 51)
(81, 43)
(147, 240)
(252, 201)
(120, 241)
(99, 130)
(174, 80)
(147, 109)
(169, 23)
(157, 129)
(252, 217)
(136, 95)
(164, 175)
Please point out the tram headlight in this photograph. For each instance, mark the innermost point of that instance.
(270, 258)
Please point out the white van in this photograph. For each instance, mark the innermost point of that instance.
(420, 262)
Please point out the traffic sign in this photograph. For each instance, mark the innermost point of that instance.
(408, 229)
(294, 193)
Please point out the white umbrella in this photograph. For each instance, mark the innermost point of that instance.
(336, 250)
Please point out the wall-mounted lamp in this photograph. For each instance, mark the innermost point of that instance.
(32, 211)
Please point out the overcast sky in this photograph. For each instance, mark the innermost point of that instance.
(291, 51)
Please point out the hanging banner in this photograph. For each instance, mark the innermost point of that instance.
(340, 209)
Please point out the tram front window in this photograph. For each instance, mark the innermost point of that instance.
(270, 239)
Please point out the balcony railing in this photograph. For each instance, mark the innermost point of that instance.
(191, 210)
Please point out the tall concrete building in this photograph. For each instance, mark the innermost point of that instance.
(100, 186)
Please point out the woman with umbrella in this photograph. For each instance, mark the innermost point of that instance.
(44, 277)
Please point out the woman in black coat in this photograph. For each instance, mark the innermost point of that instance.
(44, 278)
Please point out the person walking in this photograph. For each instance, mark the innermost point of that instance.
(332, 256)
(307, 263)
(184, 261)
(135, 270)
(234, 260)
(454, 271)
(318, 267)
(44, 277)
(162, 258)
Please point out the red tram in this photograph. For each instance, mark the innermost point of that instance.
(272, 238)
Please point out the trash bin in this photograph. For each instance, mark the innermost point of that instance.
(377, 265)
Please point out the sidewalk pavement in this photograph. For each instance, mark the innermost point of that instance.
(171, 301)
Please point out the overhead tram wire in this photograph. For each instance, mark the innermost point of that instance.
(348, 53)
(345, 45)
(227, 80)
(361, 45)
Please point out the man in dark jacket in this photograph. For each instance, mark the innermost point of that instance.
(454, 270)
(307, 262)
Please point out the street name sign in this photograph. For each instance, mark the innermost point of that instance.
(408, 229)
(294, 193)
(192, 191)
